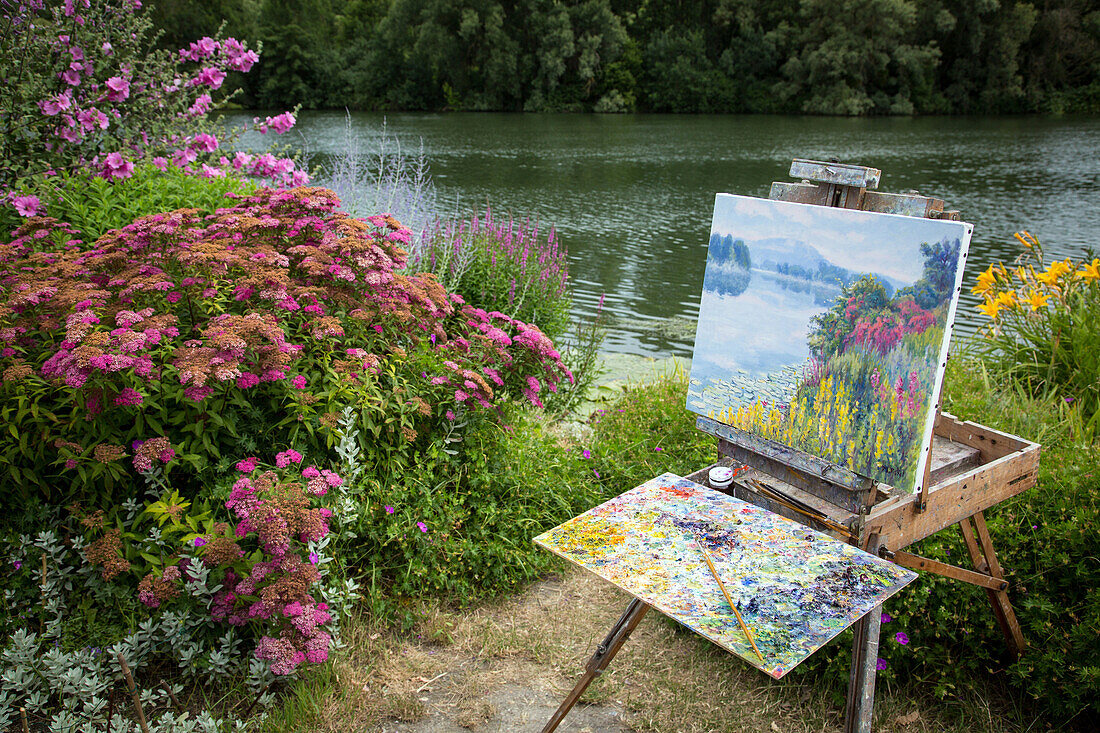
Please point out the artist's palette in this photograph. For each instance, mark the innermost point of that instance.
(795, 588)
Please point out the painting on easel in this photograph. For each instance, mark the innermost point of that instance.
(826, 329)
(794, 588)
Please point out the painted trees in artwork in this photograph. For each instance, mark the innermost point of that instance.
(863, 400)
(729, 265)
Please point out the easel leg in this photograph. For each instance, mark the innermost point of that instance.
(605, 652)
(861, 680)
(985, 561)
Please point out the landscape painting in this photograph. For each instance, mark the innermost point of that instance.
(827, 329)
(795, 588)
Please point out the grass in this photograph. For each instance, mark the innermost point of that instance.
(459, 664)
(535, 645)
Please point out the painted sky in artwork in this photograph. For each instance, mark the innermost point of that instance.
(826, 329)
(795, 588)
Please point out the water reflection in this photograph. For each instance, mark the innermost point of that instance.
(632, 195)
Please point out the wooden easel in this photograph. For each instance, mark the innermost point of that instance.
(970, 468)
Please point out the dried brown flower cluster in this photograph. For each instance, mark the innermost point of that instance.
(107, 552)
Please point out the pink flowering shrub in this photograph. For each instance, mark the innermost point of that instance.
(257, 568)
(87, 93)
(264, 318)
(275, 516)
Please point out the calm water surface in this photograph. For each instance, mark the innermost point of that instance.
(632, 196)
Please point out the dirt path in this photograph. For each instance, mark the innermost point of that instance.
(506, 667)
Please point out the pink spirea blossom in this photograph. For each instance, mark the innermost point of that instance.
(248, 465)
(284, 459)
(129, 397)
(299, 382)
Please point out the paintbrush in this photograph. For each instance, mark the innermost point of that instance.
(722, 587)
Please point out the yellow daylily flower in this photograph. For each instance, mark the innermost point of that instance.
(1007, 299)
(1054, 273)
(1027, 239)
(1037, 300)
(990, 308)
(1090, 271)
(986, 281)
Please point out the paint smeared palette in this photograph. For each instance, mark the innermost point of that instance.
(795, 588)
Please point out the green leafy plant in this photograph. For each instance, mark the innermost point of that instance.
(94, 206)
(1044, 330)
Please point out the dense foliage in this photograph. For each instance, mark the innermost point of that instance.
(84, 93)
(850, 57)
(1044, 329)
(257, 321)
(94, 205)
(939, 635)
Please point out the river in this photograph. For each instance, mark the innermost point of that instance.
(632, 195)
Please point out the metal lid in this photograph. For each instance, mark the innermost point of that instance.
(720, 476)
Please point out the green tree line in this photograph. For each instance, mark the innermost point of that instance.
(848, 57)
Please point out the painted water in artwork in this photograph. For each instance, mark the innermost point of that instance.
(795, 588)
(826, 330)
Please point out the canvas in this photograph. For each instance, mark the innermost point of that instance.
(795, 588)
(827, 329)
